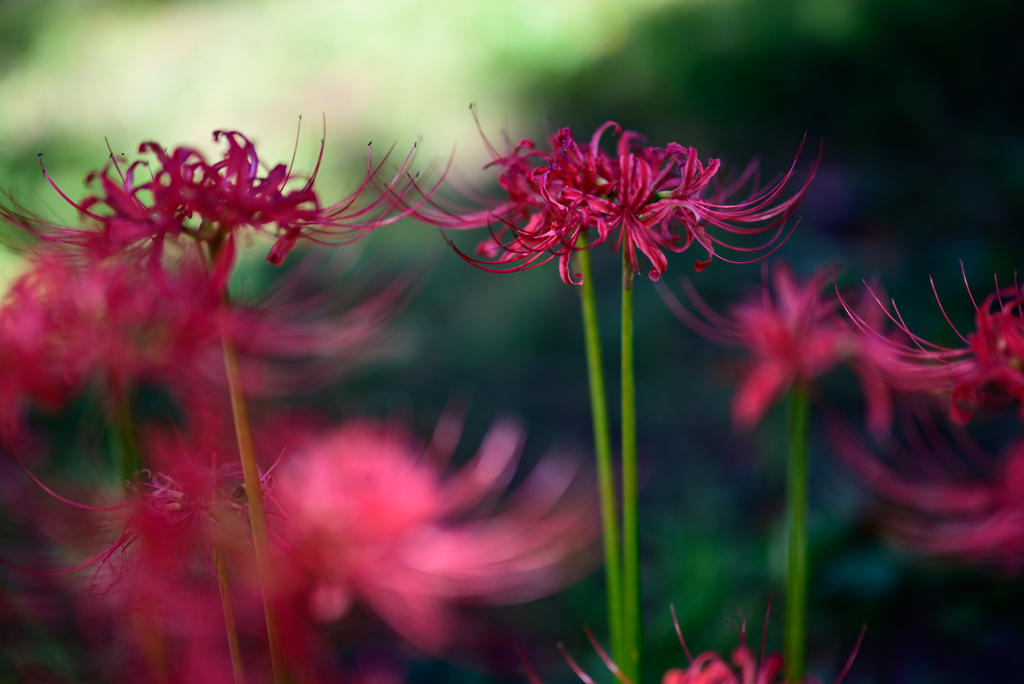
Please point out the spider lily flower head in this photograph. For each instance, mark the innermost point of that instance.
(789, 330)
(711, 668)
(987, 371)
(708, 667)
(946, 498)
(643, 200)
(746, 668)
(178, 196)
(370, 518)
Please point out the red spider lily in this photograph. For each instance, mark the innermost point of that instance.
(987, 371)
(945, 501)
(181, 197)
(792, 335)
(708, 667)
(369, 518)
(656, 198)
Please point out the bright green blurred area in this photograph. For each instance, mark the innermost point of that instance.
(390, 70)
(74, 75)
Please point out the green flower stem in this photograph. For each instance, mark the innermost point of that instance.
(123, 446)
(229, 615)
(796, 522)
(602, 451)
(254, 496)
(631, 619)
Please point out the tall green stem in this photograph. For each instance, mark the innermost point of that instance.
(603, 452)
(229, 615)
(123, 446)
(631, 618)
(796, 522)
(254, 496)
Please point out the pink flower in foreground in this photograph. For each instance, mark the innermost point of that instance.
(791, 334)
(656, 198)
(945, 501)
(370, 518)
(987, 371)
(179, 196)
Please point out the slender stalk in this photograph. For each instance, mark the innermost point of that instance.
(602, 452)
(631, 618)
(796, 522)
(123, 446)
(229, 614)
(254, 495)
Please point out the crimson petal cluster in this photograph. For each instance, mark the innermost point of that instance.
(793, 335)
(987, 371)
(656, 198)
(179, 196)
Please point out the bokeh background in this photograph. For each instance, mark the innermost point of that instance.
(919, 104)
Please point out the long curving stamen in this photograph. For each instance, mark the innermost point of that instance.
(849, 661)
(65, 197)
(61, 498)
(939, 301)
(679, 632)
(962, 270)
(295, 150)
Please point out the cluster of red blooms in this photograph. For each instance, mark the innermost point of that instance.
(188, 200)
(954, 501)
(360, 514)
(656, 198)
(363, 514)
(949, 501)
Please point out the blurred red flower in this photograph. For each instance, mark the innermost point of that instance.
(69, 325)
(987, 371)
(369, 517)
(792, 335)
(944, 499)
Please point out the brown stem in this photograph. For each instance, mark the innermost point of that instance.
(229, 615)
(254, 495)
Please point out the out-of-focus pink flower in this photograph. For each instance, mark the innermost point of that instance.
(792, 336)
(64, 325)
(656, 198)
(369, 517)
(947, 500)
(150, 603)
(987, 371)
(112, 324)
(179, 196)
